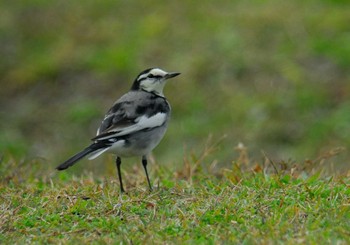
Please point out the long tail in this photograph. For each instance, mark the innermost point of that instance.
(95, 147)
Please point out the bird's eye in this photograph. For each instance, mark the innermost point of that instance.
(150, 76)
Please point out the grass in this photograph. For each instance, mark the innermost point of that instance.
(271, 74)
(251, 204)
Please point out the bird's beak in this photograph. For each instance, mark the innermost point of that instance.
(172, 74)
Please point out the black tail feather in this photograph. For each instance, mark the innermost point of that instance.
(71, 161)
(98, 145)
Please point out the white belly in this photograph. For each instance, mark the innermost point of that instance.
(139, 144)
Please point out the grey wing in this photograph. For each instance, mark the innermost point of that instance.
(114, 118)
(120, 115)
(132, 112)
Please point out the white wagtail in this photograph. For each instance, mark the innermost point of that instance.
(134, 125)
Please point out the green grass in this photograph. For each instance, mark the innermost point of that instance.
(270, 74)
(251, 204)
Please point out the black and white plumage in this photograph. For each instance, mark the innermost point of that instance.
(134, 125)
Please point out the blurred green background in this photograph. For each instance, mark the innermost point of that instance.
(273, 75)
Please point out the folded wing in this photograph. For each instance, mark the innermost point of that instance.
(128, 115)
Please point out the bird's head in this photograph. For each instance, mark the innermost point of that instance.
(152, 80)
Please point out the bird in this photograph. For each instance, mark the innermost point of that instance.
(134, 125)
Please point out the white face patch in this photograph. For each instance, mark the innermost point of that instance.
(156, 72)
(153, 86)
(153, 81)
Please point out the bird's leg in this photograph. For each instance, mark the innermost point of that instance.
(144, 163)
(118, 163)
